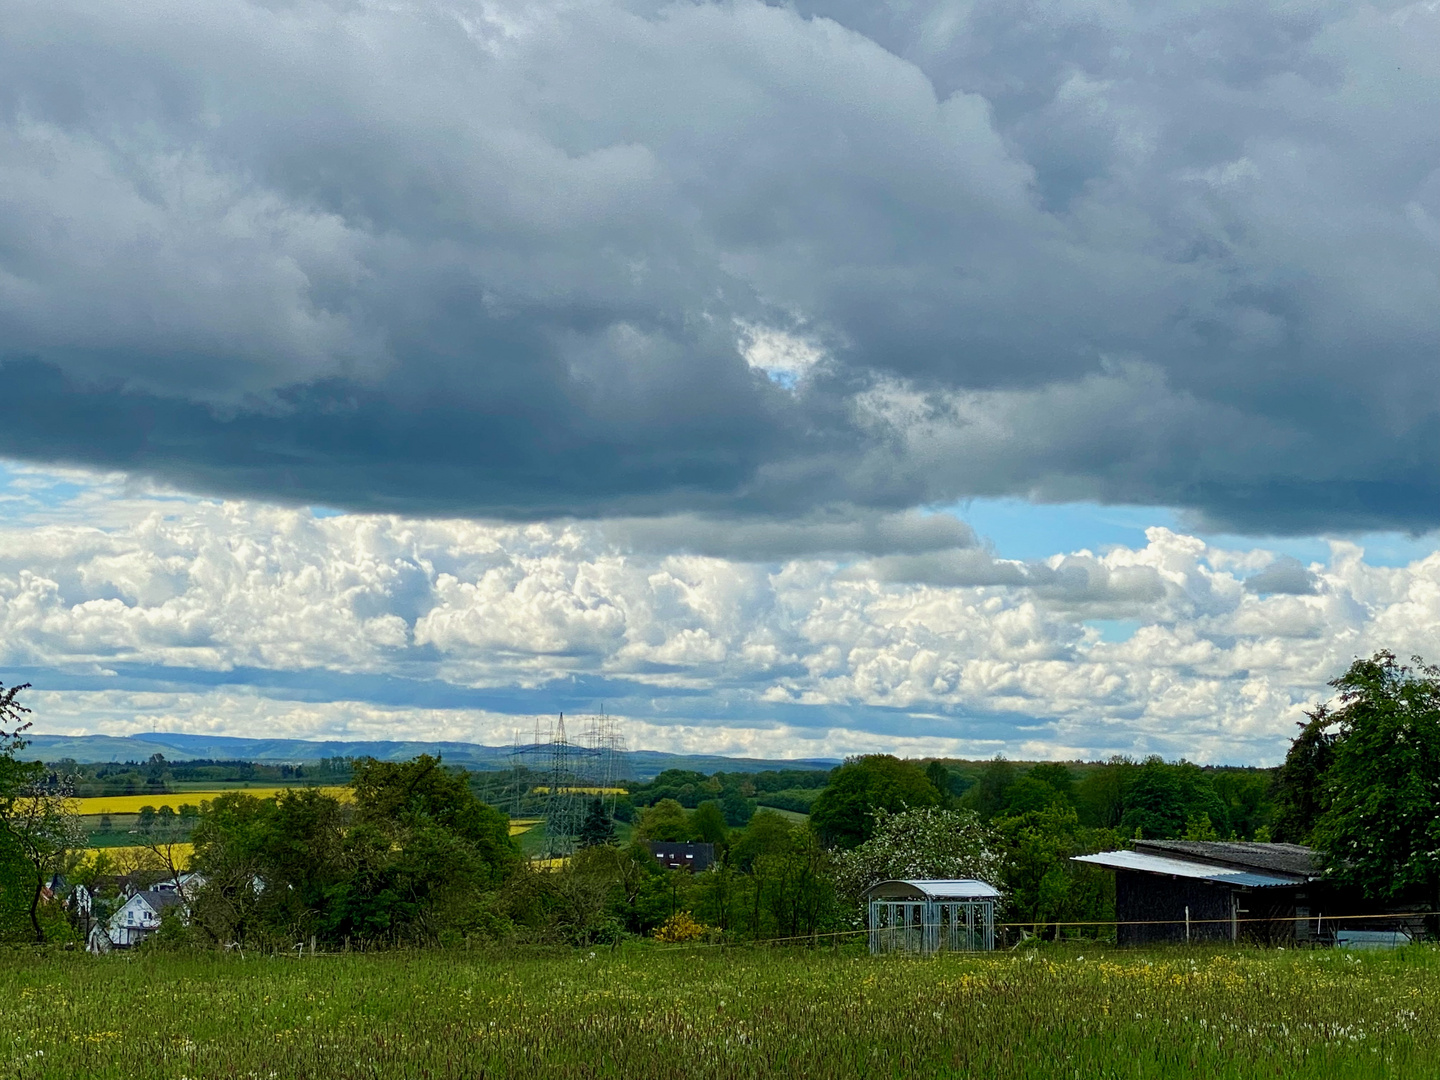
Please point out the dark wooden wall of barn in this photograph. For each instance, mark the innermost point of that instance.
(1151, 898)
(1305, 914)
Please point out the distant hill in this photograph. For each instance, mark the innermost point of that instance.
(644, 764)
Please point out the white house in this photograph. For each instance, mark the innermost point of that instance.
(139, 917)
(82, 898)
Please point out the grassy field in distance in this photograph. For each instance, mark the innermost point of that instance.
(789, 815)
(647, 1013)
(532, 840)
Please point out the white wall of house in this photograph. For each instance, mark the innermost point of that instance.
(134, 922)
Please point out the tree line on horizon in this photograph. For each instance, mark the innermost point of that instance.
(417, 856)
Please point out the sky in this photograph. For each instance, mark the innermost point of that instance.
(1055, 379)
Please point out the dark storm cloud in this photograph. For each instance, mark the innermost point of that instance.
(457, 257)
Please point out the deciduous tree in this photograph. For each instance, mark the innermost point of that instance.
(666, 822)
(707, 824)
(44, 827)
(1300, 795)
(844, 814)
(1380, 829)
(921, 843)
(1041, 883)
(38, 823)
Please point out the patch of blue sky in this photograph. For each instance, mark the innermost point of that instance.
(25, 491)
(57, 493)
(36, 494)
(1115, 631)
(1397, 549)
(1023, 530)
(1028, 531)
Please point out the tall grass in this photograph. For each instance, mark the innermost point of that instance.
(651, 1013)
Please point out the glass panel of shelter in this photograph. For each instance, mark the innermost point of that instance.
(929, 926)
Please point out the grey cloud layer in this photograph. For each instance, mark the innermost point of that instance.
(768, 540)
(505, 259)
(1285, 575)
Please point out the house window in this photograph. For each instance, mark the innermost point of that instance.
(130, 917)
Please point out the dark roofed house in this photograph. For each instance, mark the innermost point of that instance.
(692, 857)
(1226, 890)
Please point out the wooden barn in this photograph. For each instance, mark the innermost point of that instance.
(1194, 890)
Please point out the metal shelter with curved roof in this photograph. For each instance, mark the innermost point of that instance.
(927, 916)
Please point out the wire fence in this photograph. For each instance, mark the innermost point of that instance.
(1034, 927)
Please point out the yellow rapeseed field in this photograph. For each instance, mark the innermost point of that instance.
(139, 857)
(522, 825)
(131, 804)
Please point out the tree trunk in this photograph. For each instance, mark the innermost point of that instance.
(35, 908)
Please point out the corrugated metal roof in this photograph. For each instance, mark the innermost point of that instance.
(961, 889)
(1257, 881)
(1158, 864)
(1248, 855)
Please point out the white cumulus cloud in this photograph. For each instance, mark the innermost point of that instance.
(193, 605)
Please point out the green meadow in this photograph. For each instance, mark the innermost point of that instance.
(648, 1012)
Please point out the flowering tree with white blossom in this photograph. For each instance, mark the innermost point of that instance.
(927, 843)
